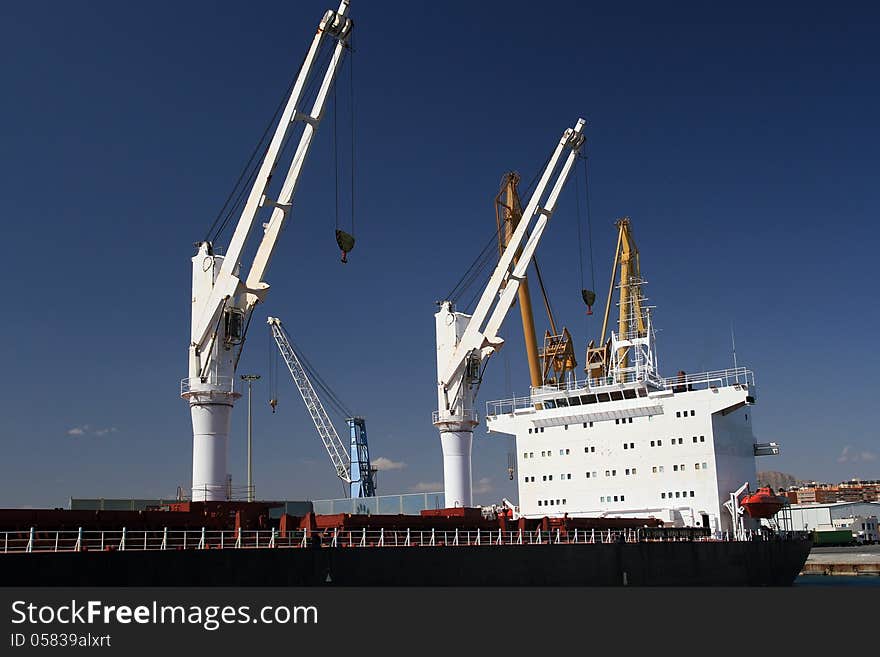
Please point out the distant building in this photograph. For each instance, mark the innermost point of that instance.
(837, 515)
(864, 529)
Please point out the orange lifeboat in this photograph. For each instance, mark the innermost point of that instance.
(763, 503)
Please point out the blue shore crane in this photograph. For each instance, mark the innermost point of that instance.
(355, 468)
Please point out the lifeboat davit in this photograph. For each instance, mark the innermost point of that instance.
(763, 503)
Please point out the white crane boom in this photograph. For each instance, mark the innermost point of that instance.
(222, 303)
(336, 449)
(465, 341)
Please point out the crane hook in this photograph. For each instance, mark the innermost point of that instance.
(345, 242)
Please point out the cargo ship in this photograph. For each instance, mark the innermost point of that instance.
(625, 478)
(240, 544)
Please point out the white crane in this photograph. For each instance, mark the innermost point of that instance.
(354, 469)
(465, 341)
(222, 303)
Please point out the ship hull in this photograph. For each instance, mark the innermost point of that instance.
(697, 563)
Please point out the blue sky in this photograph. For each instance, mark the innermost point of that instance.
(741, 140)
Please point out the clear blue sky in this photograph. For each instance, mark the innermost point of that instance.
(742, 140)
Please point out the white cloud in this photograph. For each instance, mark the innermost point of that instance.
(383, 463)
(484, 485)
(427, 487)
(846, 456)
(87, 429)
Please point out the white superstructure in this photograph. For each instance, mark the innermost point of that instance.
(634, 444)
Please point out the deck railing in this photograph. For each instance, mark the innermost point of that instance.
(125, 540)
(684, 383)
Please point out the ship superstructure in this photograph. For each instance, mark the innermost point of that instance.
(625, 441)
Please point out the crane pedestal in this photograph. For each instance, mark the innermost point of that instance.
(211, 409)
(456, 440)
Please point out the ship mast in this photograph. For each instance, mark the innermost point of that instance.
(507, 216)
(631, 323)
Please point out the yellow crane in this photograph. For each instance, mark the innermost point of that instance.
(631, 319)
(550, 364)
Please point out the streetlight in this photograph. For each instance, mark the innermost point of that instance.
(250, 378)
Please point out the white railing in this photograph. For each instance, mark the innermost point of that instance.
(126, 540)
(223, 384)
(467, 414)
(697, 381)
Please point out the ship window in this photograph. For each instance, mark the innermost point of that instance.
(542, 429)
(621, 498)
(544, 453)
(675, 468)
(557, 501)
(677, 413)
(608, 473)
(677, 494)
(602, 499)
(616, 420)
(588, 475)
(593, 449)
(563, 500)
(615, 498)
(632, 445)
(527, 480)
(681, 467)
(591, 424)
(634, 470)
(659, 442)
(566, 427)
(704, 466)
(627, 471)
(567, 451)
(525, 455)
(652, 443)
(681, 441)
(702, 439)
(544, 478)
(530, 431)
(695, 439)
(663, 495)
(654, 469)
(586, 450)
(531, 454)
(747, 417)
(661, 468)
(625, 445)
(630, 420)
(549, 477)
(594, 474)
(696, 466)
(561, 452)
(614, 473)
(693, 413)
(539, 502)
(585, 425)
(669, 495)
(692, 493)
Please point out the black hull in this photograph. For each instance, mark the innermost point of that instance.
(746, 563)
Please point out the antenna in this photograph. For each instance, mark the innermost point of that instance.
(733, 343)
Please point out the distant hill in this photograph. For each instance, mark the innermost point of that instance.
(777, 480)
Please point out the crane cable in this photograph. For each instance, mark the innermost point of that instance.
(251, 168)
(480, 262)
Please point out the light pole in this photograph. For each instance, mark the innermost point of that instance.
(250, 378)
